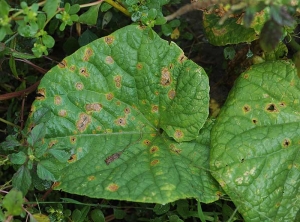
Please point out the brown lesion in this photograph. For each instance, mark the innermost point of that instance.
(109, 39)
(154, 162)
(182, 58)
(87, 54)
(109, 60)
(246, 108)
(112, 187)
(73, 139)
(83, 71)
(127, 110)
(62, 112)
(255, 121)
(117, 80)
(154, 109)
(96, 107)
(139, 66)
(165, 79)
(63, 64)
(57, 100)
(147, 142)
(79, 86)
(83, 122)
(154, 149)
(171, 94)
(286, 142)
(52, 143)
(112, 158)
(178, 134)
(109, 96)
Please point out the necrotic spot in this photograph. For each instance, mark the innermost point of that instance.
(271, 108)
(181, 58)
(109, 60)
(57, 100)
(178, 134)
(121, 121)
(112, 187)
(109, 96)
(87, 54)
(286, 142)
(126, 110)
(83, 72)
(93, 107)
(246, 108)
(146, 142)
(153, 149)
(154, 109)
(112, 158)
(154, 162)
(83, 122)
(165, 77)
(171, 94)
(62, 112)
(254, 121)
(79, 86)
(109, 39)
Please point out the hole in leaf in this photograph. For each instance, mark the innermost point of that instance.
(246, 108)
(73, 139)
(254, 121)
(286, 143)
(282, 104)
(121, 121)
(271, 108)
(41, 94)
(72, 158)
(242, 160)
(83, 72)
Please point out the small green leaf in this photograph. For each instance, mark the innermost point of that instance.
(18, 158)
(119, 214)
(4, 8)
(97, 215)
(105, 7)
(160, 20)
(74, 9)
(175, 23)
(166, 29)
(152, 13)
(183, 208)
(22, 179)
(48, 41)
(229, 52)
(270, 35)
(13, 202)
(161, 208)
(50, 8)
(76, 215)
(90, 16)
(42, 115)
(87, 37)
(10, 143)
(106, 18)
(44, 173)
(37, 133)
(174, 218)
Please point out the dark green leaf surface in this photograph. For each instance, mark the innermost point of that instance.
(119, 105)
(228, 33)
(255, 143)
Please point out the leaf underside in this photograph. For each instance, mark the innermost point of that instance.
(128, 108)
(255, 143)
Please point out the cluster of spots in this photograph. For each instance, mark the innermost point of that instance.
(79, 86)
(63, 64)
(83, 122)
(112, 187)
(178, 134)
(57, 100)
(286, 143)
(117, 81)
(96, 107)
(174, 149)
(87, 54)
(90, 178)
(154, 149)
(109, 96)
(147, 142)
(165, 79)
(62, 113)
(182, 58)
(109, 60)
(72, 158)
(41, 93)
(84, 72)
(112, 158)
(154, 162)
(121, 121)
(246, 108)
(109, 39)
(154, 109)
(171, 94)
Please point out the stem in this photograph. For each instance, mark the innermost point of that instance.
(9, 123)
(91, 4)
(118, 6)
(294, 45)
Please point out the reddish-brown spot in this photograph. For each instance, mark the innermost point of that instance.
(126, 110)
(121, 121)
(112, 187)
(109, 96)
(182, 58)
(83, 122)
(87, 54)
(171, 94)
(178, 134)
(154, 149)
(73, 158)
(57, 100)
(62, 64)
(154, 109)
(154, 162)
(84, 72)
(147, 142)
(90, 178)
(109, 39)
(79, 86)
(109, 60)
(93, 107)
(139, 66)
(246, 108)
(52, 143)
(165, 79)
(41, 94)
(73, 139)
(72, 68)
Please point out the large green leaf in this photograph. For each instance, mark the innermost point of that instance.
(256, 143)
(128, 108)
